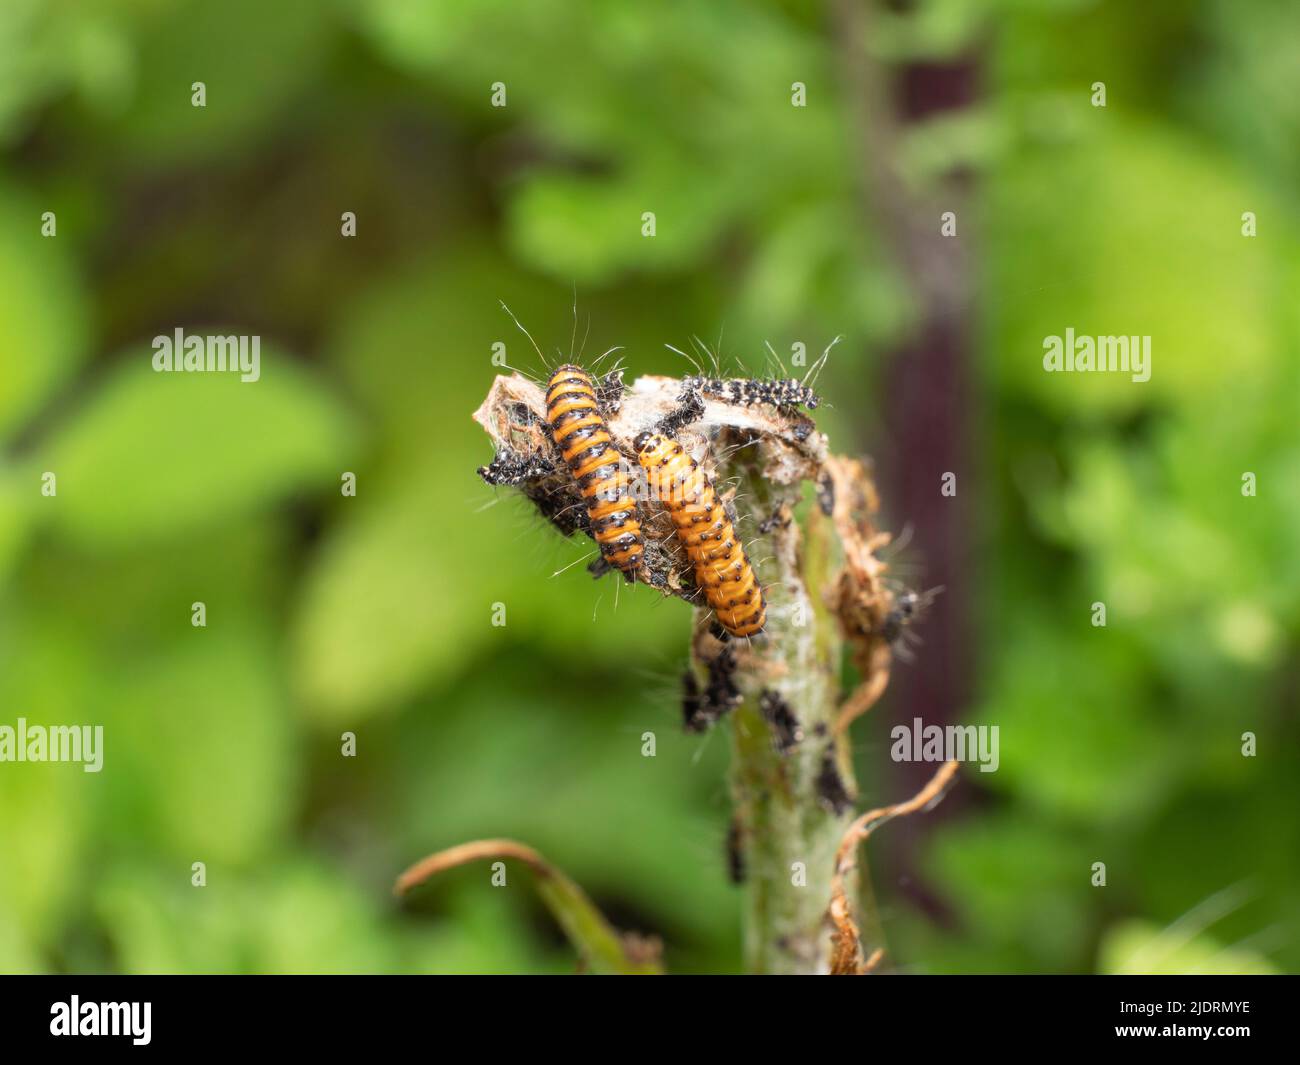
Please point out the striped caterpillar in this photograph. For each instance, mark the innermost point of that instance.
(722, 569)
(579, 431)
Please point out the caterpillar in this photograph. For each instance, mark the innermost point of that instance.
(579, 431)
(702, 707)
(747, 392)
(510, 468)
(832, 792)
(722, 569)
(896, 628)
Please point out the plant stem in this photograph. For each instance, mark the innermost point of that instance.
(790, 827)
(793, 798)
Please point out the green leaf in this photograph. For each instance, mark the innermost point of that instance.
(226, 46)
(17, 513)
(44, 831)
(49, 48)
(1021, 885)
(386, 605)
(593, 229)
(1139, 947)
(1076, 233)
(1076, 740)
(17, 954)
(199, 745)
(153, 454)
(42, 317)
(295, 916)
(43, 836)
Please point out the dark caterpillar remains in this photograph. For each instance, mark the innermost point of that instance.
(580, 432)
(722, 570)
(747, 392)
(515, 469)
(908, 609)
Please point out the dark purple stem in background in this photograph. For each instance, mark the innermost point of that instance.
(927, 428)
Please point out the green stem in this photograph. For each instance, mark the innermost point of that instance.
(789, 829)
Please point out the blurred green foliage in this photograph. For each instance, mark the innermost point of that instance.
(372, 614)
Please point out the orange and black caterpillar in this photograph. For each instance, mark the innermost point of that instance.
(573, 411)
(722, 569)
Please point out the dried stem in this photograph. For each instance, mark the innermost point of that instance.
(599, 945)
(846, 958)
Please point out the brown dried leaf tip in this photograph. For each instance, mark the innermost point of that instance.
(846, 940)
(601, 948)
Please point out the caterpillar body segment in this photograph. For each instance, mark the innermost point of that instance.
(573, 411)
(722, 569)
